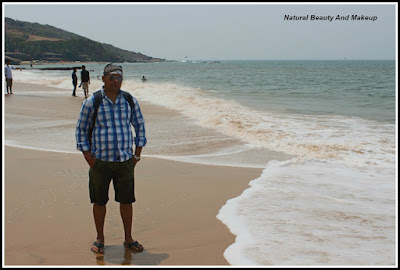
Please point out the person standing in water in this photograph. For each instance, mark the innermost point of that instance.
(85, 81)
(74, 82)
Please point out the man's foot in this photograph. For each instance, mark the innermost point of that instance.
(134, 246)
(97, 248)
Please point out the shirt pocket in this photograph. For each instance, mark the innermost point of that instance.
(125, 114)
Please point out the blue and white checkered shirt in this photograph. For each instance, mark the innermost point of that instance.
(112, 138)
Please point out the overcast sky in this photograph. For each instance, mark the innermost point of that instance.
(224, 31)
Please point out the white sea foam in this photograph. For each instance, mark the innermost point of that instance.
(313, 213)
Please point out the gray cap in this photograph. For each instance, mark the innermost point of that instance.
(112, 69)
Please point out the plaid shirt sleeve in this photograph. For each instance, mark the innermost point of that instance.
(138, 124)
(82, 127)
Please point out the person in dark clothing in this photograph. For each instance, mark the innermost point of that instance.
(85, 81)
(74, 82)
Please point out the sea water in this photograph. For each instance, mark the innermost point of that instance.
(328, 197)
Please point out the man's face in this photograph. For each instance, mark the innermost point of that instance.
(112, 81)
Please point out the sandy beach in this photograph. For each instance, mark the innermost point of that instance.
(48, 216)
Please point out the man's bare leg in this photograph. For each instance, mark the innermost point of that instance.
(126, 210)
(99, 214)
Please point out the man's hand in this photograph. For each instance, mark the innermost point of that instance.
(90, 159)
(135, 162)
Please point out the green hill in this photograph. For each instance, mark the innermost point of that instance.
(25, 41)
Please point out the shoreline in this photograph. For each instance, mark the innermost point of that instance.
(47, 212)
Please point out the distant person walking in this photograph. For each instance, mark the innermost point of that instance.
(8, 73)
(74, 82)
(85, 81)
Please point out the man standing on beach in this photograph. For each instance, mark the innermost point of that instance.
(85, 81)
(109, 152)
(8, 73)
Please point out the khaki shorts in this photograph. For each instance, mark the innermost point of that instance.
(122, 174)
(85, 85)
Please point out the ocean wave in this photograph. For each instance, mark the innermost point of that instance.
(347, 139)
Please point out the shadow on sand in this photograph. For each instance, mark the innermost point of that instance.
(119, 255)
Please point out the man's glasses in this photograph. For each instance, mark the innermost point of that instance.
(113, 77)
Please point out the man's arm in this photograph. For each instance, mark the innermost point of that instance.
(82, 130)
(138, 150)
(137, 121)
